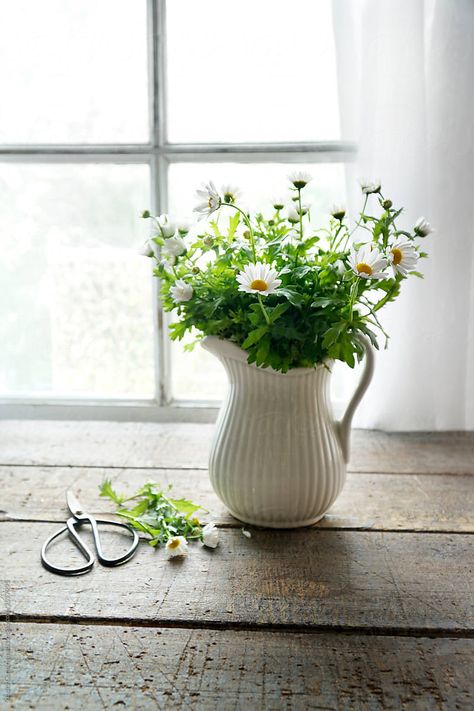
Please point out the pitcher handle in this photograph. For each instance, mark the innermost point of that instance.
(344, 426)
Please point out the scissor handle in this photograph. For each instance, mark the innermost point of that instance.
(111, 562)
(70, 528)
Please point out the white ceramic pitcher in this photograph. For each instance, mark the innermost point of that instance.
(278, 458)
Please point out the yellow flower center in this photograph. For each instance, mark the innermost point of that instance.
(397, 255)
(174, 543)
(259, 285)
(364, 268)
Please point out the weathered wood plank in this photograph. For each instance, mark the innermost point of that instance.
(76, 667)
(310, 578)
(438, 502)
(123, 444)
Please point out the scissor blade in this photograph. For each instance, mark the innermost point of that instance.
(73, 504)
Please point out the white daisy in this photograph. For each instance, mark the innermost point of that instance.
(338, 211)
(423, 227)
(176, 546)
(209, 200)
(339, 266)
(403, 257)
(164, 226)
(367, 262)
(174, 246)
(299, 178)
(210, 536)
(181, 291)
(258, 278)
(370, 186)
(230, 194)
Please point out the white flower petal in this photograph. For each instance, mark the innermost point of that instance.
(176, 546)
(258, 272)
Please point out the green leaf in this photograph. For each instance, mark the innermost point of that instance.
(233, 224)
(418, 274)
(254, 336)
(323, 302)
(107, 491)
(263, 350)
(278, 311)
(185, 506)
(332, 334)
(293, 296)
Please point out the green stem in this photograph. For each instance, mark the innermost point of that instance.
(300, 214)
(337, 242)
(358, 221)
(352, 299)
(247, 222)
(264, 311)
(376, 322)
(383, 300)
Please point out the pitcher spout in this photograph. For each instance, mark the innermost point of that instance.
(223, 349)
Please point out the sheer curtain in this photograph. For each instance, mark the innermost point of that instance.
(406, 72)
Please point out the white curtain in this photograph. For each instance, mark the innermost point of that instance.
(406, 86)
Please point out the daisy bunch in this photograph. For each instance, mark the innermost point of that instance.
(291, 286)
(163, 520)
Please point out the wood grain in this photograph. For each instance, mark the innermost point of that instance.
(308, 578)
(178, 445)
(392, 502)
(77, 667)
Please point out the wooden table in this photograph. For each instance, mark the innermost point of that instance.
(371, 609)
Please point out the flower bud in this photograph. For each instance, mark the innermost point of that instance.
(293, 216)
(423, 227)
(195, 270)
(208, 241)
(183, 228)
(338, 211)
(387, 204)
(145, 214)
(247, 234)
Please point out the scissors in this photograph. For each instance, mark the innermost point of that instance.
(78, 518)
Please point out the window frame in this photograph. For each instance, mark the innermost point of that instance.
(158, 154)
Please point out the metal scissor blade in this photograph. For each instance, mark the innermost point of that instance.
(73, 504)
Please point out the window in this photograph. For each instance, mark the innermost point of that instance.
(112, 107)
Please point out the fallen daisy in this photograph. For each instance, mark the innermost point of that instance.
(210, 536)
(176, 546)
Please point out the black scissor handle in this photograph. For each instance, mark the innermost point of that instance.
(70, 528)
(111, 562)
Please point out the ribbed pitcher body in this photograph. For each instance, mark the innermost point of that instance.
(276, 459)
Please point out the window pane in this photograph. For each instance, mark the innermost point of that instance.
(198, 374)
(264, 72)
(73, 72)
(75, 312)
